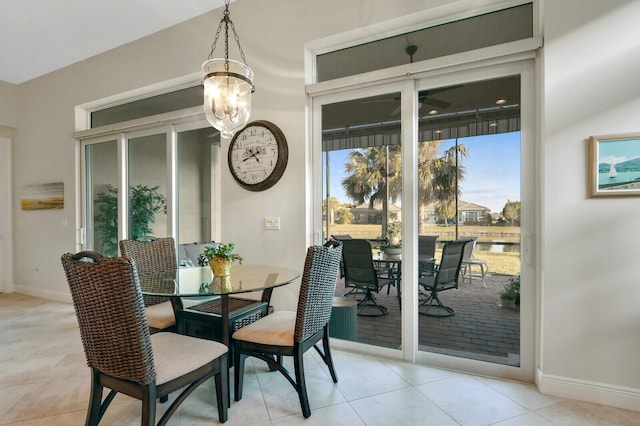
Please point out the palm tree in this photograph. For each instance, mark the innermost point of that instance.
(374, 174)
(447, 172)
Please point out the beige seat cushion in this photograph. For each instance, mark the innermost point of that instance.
(160, 316)
(275, 329)
(175, 355)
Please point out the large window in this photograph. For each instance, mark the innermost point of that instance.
(489, 29)
(158, 181)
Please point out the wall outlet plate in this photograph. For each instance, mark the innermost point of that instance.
(272, 223)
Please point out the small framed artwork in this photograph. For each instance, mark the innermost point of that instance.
(614, 165)
(45, 196)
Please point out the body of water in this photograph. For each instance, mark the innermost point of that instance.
(498, 247)
(492, 246)
(621, 177)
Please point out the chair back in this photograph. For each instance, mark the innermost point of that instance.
(449, 268)
(110, 311)
(317, 289)
(358, 263)
(427, 246)
(151, 254)
(468, 249)
(189, 253)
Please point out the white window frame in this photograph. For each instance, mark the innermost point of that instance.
(507, 59)
(170, 124)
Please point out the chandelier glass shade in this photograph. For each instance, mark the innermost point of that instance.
(228, 85)
(227, 94)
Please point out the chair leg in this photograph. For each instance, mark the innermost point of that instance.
(432, 301)
(222, 389)
(149, 396)
(301, 385)
(238, 376)
(95, 400)
(327, 354)
(368, 297)
(483, 271)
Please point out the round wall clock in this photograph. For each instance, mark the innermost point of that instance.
(258, 155)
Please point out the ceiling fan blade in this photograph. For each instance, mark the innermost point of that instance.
(397, 110)
(435, 102)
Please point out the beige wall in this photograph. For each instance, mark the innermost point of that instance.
(587, 283)
(8, 109)
(590, 286)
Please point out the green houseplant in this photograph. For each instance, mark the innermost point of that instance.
(219, 258)
(511, 293)
(394, 232)
(144, 202)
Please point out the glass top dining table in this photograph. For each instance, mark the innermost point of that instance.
(199, 281)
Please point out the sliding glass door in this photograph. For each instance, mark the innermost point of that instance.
(469, 174)
(198, 151)
(101, 196)
(162, 181)
(361, 195)
(441, 158)
(147, 185)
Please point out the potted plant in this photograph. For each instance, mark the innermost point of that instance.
(144, 203)
(511, 294)
(394, 231)
(219, 258)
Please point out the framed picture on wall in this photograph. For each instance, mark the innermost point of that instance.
(614, 165)
(45, 196)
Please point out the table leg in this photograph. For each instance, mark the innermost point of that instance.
(266, 293)
(398, 290)
(226, 339)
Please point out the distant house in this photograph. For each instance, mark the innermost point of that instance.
(467, 212)
(363, 214)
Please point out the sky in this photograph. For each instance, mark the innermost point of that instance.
(617, 151)
(492, 170)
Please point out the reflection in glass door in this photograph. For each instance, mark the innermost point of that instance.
(469, 172)
(362, 189)
(147, 175)
(101, 183)
(198, 152)
(153, 198)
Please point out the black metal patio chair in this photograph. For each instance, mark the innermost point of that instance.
(444, 277)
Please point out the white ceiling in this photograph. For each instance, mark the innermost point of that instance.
(41, 36)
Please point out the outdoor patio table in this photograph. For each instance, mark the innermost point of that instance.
(393, 262)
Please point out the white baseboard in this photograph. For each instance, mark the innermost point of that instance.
(583, 390)
(58, 296)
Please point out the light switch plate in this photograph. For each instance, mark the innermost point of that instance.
(272, 223)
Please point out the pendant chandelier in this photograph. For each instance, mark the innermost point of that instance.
(228, 84)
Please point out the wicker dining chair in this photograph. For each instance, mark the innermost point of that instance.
(153, 254)
(121, 352)
(285, 333)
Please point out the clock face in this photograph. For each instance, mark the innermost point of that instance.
(258, 155)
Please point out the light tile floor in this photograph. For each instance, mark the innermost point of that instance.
(44, 381)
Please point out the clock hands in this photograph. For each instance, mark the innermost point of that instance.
(251, 152)
(253, 155)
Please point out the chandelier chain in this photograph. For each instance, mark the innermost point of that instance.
(226, 20)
